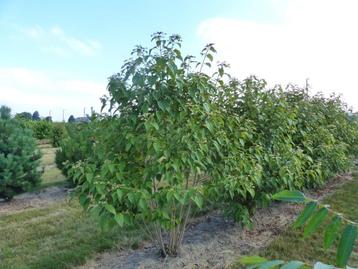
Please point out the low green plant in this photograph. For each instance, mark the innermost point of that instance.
(75, 146)
(314, 216)
(41, 129)
(58, 133)
(19, 159)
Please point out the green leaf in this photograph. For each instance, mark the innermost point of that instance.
(84, 200)
(293, 265)
(110, 208)
(155, 125)
(306, 213)
(156, 147)
(104, 223)
(128, 146)
(198, 200)
(331, 232)
(210, 57)
(206, 107)
(142, 204)
(270, 264)
(111, 168)
(163, 105)
(119, 194)
(315, 221)
(252, 260)
(290, 196)
(131, 197)
(346, 244)
(209, 126)
(119, 218)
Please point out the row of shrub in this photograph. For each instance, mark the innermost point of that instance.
(180, 139)
(43, 129)
(19, 157)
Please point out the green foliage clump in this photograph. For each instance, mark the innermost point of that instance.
(314, 218)
(44, 129)
(36, 116)
(71, 119)
(5, 112)
(58, 133)
(41, 129)
(23, 116)
(75, 146)
(19, 159)
(179, 139)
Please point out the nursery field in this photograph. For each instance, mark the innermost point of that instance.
(185, 166)
(45, 229)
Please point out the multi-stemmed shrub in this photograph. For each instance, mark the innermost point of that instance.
(178, 139)
(167, 137)
(19, 158)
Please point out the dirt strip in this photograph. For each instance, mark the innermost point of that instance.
(213, 241)
(35, 199)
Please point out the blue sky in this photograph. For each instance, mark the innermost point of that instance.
(57, 55)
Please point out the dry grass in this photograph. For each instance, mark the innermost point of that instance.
(55, 237)
(52, 175)
(290, 245)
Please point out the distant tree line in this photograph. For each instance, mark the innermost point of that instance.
(27, 116)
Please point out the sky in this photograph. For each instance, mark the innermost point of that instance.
(56, 56)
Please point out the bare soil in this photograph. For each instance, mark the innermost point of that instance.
(213, 241)
(35, 199)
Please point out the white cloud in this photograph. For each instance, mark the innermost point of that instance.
(33, 32)
(55, 40)
(315, 39)
(28, 90)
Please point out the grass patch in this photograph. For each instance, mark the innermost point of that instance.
(52, 176)
(290, 245)
(48, 156)
(56, 237)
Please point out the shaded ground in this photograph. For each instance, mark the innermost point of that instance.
(212, 241)
(30, 200)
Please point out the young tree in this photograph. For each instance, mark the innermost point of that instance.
(71, 119)
(5, 112)
(19, 158)
(23, 116)
(36, 116)
(48, 118)
(163, 147)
